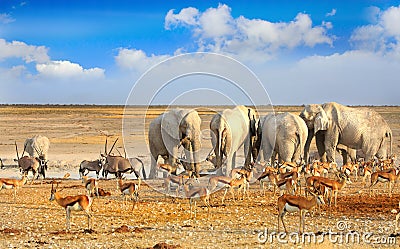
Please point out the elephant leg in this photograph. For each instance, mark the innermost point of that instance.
(153, 167)
(247, 151)
(344, 156)
(297, 156)
(233, 160)
(320, 142)
(228, 167)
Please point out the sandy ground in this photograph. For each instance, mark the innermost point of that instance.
(78, 133)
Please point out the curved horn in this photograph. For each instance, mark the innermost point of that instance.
(16, 148)
(119, 152)
(113, 146)
(105, 147)
(24, 150)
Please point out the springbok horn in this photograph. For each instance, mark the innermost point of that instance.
(112, 146)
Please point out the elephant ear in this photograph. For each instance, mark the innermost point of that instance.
(321, 121)
(170, 124)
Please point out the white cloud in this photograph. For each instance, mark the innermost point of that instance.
(217, 31)
(216, 22)
(66, 70)
(185, 16)
(6, 18)
(17, 49)
(354, 77)
(137, 60)
(332, 13)
(382, 36)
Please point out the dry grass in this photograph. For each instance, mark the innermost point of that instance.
(78, 132)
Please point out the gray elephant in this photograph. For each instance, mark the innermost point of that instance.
(356, 128)
(37, 146)
(284, 134)
(166, 134)
(230, 129)
(348, 154)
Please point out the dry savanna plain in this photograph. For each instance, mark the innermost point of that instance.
(78, 132)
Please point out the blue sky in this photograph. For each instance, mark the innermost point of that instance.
(92, 52)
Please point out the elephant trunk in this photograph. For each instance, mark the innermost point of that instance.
(195, 146)
(307, 145)
(218, 152)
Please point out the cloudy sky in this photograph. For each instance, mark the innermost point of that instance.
(93, 52)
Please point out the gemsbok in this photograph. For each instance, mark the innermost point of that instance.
(37, 165)
(86, 166)
(119, 165)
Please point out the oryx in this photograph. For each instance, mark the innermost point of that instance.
(118, 165)
(37, 165)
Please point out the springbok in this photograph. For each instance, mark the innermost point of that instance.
(72, 203)
(174, 170)
(268, 176)
(349, 168)
(334, 186)
(130, 189)
(292, 203)
(380, 176)
(226, 182)
(15, 184)
(194, 194)
(91, 185)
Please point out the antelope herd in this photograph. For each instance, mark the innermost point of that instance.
(322, 180)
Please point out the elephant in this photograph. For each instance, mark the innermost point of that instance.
(168, 131)
(229, 130)
(37, 146)
(284, 134)
(357, 128)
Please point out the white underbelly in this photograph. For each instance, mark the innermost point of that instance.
(75, 207)
(291, 209)
(126, 192)
(5, 186)
(381, 179)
